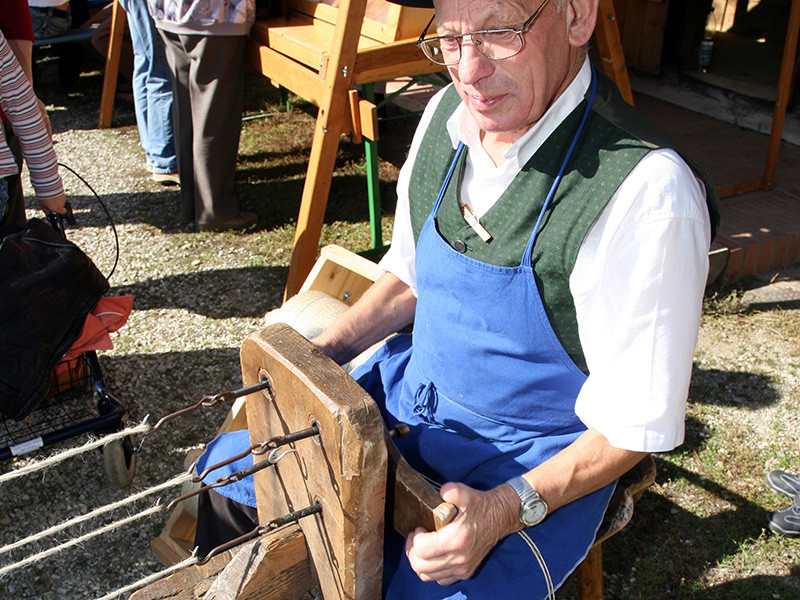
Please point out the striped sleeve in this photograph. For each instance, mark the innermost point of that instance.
(20, 106)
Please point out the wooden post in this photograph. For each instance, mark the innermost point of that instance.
(331, 115)
(590, 575)
(782, 96)
(112, 65)
(610, 46)
(343, 468)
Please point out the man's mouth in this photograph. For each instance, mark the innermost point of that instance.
(485, 102)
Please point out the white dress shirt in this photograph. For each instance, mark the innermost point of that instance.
(638, 279)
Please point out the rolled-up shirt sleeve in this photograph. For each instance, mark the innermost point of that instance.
(638, 287)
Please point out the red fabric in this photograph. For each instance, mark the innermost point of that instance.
(15, 20)
(109, 315)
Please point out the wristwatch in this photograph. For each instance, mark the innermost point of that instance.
(533, 508)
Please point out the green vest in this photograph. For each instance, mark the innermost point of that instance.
(615, 138)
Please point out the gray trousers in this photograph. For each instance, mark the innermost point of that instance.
(208, 90)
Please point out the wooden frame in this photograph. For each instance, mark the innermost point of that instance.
(321, 52)
(111, 71)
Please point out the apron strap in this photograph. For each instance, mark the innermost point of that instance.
(526, 257)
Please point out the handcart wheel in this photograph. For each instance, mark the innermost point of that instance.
(119, 461)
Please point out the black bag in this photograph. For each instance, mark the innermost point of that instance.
(47, 287)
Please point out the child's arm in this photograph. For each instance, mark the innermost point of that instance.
(19, 104)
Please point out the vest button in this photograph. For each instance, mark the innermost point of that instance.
(460, 246)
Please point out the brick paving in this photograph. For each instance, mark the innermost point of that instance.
(760, 230)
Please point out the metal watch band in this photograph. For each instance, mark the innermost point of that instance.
(530, 501)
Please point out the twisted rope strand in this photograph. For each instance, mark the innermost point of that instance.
(79, 540)
(95, 513)
(548, 581)
(192, 560)
(143, 427)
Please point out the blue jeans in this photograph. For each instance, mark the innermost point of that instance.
(50, 22)
(152, 89)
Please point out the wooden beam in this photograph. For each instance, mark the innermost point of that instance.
(388, 61)
(726, 191)
(782, 96)
(112, 66)
(341, 274)
(328, 128)
(285, 72)
(610, 46)
(274, 567)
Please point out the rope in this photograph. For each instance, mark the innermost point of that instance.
(79, 540)
(548, 581)
(57, 458)
(95, 513)
(192, 560)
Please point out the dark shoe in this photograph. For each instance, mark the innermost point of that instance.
(786, 521)
(245, 221)
(166, 178)
(784, 483)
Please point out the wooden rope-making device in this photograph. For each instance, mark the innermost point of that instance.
(328, 477)
(337, 482)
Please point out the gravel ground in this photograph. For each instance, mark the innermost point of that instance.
(196, 296)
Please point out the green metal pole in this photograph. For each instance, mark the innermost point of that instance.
(373, 180)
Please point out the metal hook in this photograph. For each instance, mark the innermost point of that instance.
(257, 449)
(208, 401)
(263, 529)
(274, 459)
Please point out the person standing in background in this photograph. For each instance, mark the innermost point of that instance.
(51, 18)
(152, 94)
(205, 44)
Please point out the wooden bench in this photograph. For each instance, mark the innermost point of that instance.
(323, 52)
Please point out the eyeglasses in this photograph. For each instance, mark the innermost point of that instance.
(494, 44)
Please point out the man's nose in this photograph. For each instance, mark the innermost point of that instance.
(473, 64)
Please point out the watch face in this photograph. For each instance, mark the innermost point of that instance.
(533, 512)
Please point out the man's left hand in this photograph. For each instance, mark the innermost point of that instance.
(455, 551)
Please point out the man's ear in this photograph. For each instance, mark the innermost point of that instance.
(581, 19)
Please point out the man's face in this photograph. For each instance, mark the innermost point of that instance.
(507, 96)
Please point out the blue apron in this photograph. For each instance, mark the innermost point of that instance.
(489, 393)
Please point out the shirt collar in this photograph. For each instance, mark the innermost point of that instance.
(462, 127)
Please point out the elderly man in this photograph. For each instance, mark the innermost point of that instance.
(551, 249)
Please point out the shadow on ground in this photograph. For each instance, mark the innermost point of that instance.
(217, 293)
(650, 560)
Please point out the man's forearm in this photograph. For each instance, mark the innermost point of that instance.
(586, 465)
(387, 306)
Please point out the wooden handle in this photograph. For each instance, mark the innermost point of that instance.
(411, 500)
(443, 514)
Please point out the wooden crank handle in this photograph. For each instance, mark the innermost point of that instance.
(411, 500)
(443, 514)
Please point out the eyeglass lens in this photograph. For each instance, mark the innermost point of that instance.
(495, 45)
